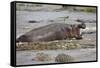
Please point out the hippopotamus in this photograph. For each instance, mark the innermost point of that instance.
(51, 32)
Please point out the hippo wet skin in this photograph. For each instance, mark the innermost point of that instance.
(51, 32)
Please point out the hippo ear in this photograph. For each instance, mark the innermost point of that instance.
(83, 25)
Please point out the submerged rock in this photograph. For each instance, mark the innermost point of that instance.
(32, 21)
(42, 57)
(64, 58)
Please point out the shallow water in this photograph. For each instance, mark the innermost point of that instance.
(25, 57)
(43, 18)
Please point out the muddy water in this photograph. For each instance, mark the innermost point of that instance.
(44, 18)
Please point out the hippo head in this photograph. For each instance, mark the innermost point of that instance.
(74, 31)
(82, 25)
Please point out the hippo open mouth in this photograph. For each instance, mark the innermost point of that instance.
(75, 31)
(83, 26)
